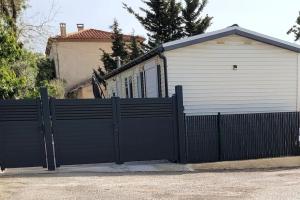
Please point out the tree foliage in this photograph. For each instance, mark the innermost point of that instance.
(194, 23)
(10, 85)
(118, 44)
(22, 72)
(46, 69)
(10, 10)
(167, 20)
(125, 52)
(296, 29)
(134, 47)
(174, 28)
(155, 20)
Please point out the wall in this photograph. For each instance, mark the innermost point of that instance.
(265, 81)
(134, 71)
(75, 61)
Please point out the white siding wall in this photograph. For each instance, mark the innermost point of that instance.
(265, 81)
(133, 72)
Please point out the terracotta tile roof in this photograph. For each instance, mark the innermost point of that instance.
(93, 34)
(88, 35)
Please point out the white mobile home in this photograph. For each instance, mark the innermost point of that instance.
(233, 70)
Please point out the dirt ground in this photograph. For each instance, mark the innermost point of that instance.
(243, 184)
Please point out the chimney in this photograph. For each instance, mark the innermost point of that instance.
(118, 59)
(63, 29)
(80, 27)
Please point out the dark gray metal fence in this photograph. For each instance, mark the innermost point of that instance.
(51, 132)
(242, 136)
(21, 134)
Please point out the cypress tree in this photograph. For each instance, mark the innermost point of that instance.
(194, 23)
(118, 44)
(174, 20)
(134, 48)
(118, 49)
(155, 20)
(296, 29)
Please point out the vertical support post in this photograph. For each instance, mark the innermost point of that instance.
(116, 128)
(181, 125)
(47, 130)
(219, 137)
(2, 151)
(40, 119)
(175, 132)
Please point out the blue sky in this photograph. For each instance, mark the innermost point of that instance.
(271, 17)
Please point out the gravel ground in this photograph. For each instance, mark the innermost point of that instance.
(259, 184)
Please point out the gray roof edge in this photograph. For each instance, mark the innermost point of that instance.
(198, 40)
(207, 37)
(267, 39)
(229, 31)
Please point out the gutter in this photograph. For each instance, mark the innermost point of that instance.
(162, 56)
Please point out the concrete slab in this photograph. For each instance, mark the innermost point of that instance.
(284, 162)
(151, 166)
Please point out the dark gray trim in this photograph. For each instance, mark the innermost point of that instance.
(165, 74)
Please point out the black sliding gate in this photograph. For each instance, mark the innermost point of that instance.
(53, 132)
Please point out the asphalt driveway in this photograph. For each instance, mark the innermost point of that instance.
(242, 184)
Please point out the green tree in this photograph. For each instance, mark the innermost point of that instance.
(134, 47)
(119, 49)
(10, 10)
(10, 84)
(19, 67)
(10, 49)
(194, 23)
(296, 29)
(155, 21)
(118, 44)
(109, 63)
(46, 69)
(174, 29)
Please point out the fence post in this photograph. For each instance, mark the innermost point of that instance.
(116, 128)
(219, 138)
(175, 132)
(181, 126)
(47, 130)
(2, 151)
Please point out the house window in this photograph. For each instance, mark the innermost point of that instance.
(128, 87)
(142, 74)
(140, 85)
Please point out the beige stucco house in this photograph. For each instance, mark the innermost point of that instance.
(232, 70)
(77, 54)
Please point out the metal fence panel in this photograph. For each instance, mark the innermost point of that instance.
(21, 137)
(242, 136)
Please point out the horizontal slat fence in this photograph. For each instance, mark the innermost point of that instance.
(21, 136)
(154, 133)
(242, 136)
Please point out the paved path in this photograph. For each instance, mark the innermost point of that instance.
(259, 184)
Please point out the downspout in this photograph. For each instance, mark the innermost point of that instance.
(162, 56)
